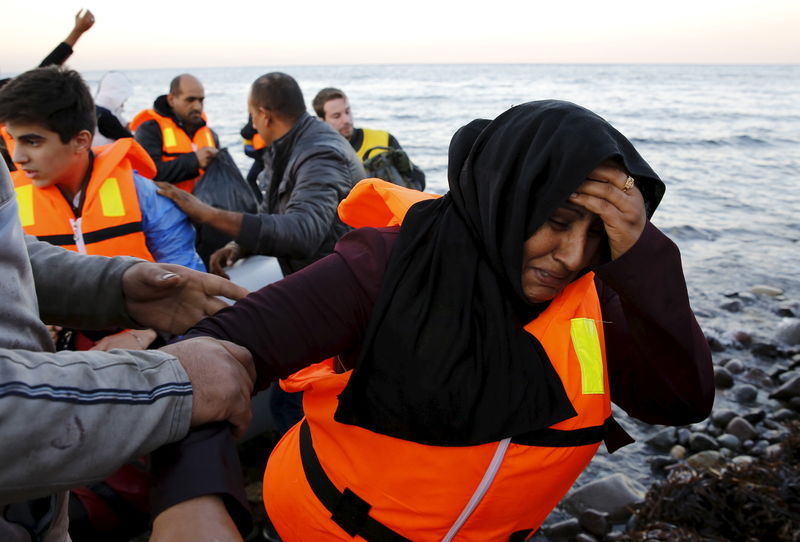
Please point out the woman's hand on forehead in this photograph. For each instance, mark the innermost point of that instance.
(608, 193)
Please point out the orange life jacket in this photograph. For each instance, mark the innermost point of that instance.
(7, 139)
(111, 220)
(175, 141)
(255, 144)
(331, 481)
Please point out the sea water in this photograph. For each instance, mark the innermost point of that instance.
(725, 140)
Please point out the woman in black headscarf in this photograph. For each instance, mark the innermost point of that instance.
(477, 348)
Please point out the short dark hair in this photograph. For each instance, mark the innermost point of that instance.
(54, 97)
(324, 96)
(175, 84)
(280, 93)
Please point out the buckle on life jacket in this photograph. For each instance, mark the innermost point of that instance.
(348, 510)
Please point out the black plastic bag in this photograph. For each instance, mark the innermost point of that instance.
(222, 186)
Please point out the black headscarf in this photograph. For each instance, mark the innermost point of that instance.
(446, 360)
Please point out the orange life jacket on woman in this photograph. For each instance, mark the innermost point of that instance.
(175, 141)
(331, 481)
(111, 220)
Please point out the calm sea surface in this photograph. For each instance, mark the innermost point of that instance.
(725, 140)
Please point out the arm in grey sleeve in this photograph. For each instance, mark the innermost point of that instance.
(321, 181)
(72, 418)
(77, 290)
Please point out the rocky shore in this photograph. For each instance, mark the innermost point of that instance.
(733, 477)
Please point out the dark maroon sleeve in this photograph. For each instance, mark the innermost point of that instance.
(659, 361)
(313, 314)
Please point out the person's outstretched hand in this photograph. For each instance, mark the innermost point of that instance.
(84, 20)
(189, 204)
(224, 257)
(222, 376)
(172, 298)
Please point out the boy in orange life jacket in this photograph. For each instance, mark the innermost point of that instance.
(175, 135)
(90, 200)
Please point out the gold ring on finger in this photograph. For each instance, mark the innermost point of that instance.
(628, 184)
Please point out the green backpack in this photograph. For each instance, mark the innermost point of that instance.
(395, 166)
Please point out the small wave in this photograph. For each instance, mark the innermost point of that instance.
(733, 141)
(690, 233)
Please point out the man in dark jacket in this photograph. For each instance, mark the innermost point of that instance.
(308, 170)
(175, 135)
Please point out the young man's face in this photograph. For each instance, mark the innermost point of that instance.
(40, 153)
(338, 115)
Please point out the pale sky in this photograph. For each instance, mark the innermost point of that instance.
(146, 34)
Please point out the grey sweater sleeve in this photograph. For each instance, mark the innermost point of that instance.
(76, 290)
(71, 418)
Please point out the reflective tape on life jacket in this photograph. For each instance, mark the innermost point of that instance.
(255, 144)
(111, 219)
(372, 138)
(488, 492)
(175, 141)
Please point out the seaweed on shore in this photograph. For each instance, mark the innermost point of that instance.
(759, 501)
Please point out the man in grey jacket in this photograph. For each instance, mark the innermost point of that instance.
(309, 169)
(70, 418)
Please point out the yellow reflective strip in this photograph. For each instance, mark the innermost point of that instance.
(209, 139)
(586, 342)
(169, 138)
(25, 205)
(111, 198)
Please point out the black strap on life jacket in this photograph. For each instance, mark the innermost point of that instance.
(96, 236)
(556, 438)
(348, 510)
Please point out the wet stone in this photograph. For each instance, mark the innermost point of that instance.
(585, 537)
(794, 403)
(664, 439)
(788, 331)
(563, 530)
(741, 429)
(743, 338)
(788, 390)
(745, 393)
(615, 495)
(683, 436)
(759, 448)
(763, 289)
(735, 366)
(755, 417)
(723, 416)
(715, 345)
(595, 522)
(784, 415)
(732, 306)
(773, 451)
(660, 462)
(743, 460)
(723, 379)
(730, 442)
(759, 378)
(700, 442)
(709, 459)
(678, 452)
(785, 376)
